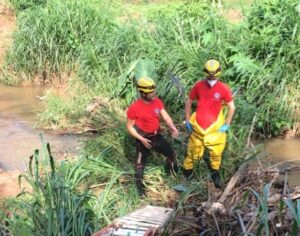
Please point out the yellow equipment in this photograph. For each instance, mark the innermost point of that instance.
(212, 68)
(209, 138)
(146, 85)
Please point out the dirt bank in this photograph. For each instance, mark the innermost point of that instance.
(7, 27)
(9, 186)
(8, 180)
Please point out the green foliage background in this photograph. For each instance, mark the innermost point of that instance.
(99, 40)
(101, 43)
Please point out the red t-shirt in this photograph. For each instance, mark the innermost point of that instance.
(146, 115)
(209, 101)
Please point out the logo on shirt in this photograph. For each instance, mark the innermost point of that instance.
(217, 96)
(156, 111)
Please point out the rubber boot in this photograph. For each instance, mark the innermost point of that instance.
(216, 178)
(140, 188)
(139, 181)
(187, 173)
(171, 168)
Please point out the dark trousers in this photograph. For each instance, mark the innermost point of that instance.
(160, 145)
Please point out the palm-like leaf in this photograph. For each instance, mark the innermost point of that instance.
(144, 67)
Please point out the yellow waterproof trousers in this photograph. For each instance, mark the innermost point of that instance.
(209, 138)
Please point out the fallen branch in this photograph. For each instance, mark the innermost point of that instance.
(232, 182)
(217, 225)
(241, 222)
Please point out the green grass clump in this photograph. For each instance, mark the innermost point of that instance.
(51, 38)
(54, 206)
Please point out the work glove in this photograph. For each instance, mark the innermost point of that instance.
(188, 126)
(224, 128)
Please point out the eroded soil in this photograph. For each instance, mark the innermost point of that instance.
(8, 180)
(7, 27)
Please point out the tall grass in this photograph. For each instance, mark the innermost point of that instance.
(60, 201)
(265, 225)
(260, 55)
(264, 66)
(51, 38)
(262, 211)
(81, 196)
(21, 5)
(54, 206)
(294, 208)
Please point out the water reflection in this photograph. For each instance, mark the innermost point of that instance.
(20, 102)
(286, 152)
(18, 137)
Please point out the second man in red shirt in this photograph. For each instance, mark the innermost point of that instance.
(208, 125)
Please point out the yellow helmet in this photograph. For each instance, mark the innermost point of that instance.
(146, 85)
(212, 68)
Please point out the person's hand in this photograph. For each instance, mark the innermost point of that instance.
(146, 142)
(224, 128)
(174, 132)
(188, 126)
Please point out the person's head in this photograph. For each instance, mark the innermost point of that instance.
(146, 87)
(212, 69)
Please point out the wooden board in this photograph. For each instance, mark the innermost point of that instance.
(145, 221)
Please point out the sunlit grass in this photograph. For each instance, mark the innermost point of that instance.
(179, 40)
(258, 56)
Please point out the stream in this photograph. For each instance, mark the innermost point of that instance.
(19, 137)
(284, 154)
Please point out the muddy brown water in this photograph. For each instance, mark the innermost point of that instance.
(19, 137)
(284, 154)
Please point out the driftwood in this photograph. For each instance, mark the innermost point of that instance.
(232, 182)
(218, 206)
(238, 209)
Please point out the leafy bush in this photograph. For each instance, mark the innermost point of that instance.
(266, 64)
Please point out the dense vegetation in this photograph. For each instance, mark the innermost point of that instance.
(99, 40)
(100, 45)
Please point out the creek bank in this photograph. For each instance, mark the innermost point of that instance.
(259, 196)
(253, 200)
(9, 186)
(19, 137)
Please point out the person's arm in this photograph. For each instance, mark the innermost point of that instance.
(169, 123)
(231, 109)
(188, 108)
(132, 131)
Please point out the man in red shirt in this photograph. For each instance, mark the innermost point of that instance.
(143, 123)
(208, 125)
